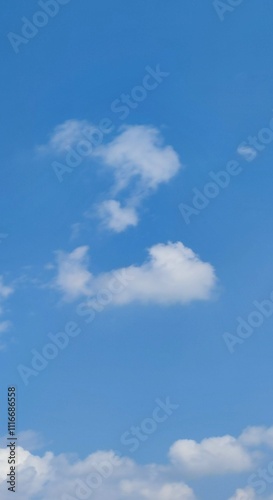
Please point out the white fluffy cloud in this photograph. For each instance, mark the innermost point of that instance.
(101, 476)
(139, 153)
(222, 455)
(172, 274)
(33, 473)
(219, 455)
(116, 217)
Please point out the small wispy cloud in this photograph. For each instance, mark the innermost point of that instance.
(66, 136)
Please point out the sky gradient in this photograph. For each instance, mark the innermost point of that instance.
(136, 236)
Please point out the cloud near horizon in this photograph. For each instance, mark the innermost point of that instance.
(104, 475)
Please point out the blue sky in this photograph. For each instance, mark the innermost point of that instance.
(61, 242)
